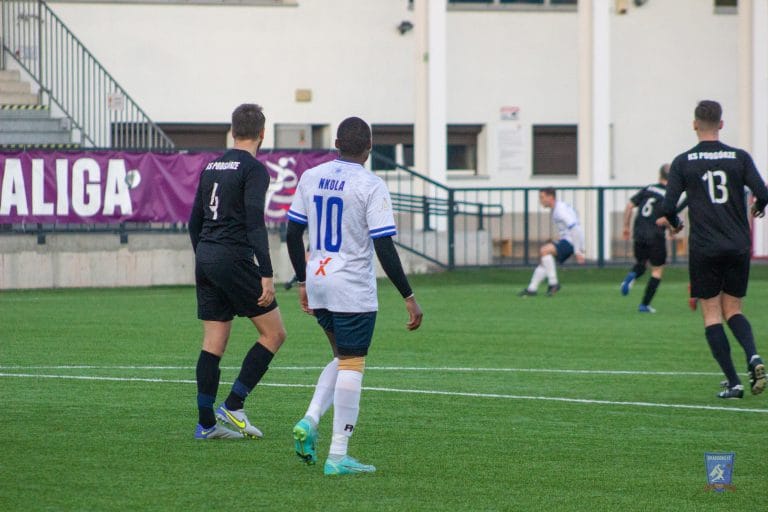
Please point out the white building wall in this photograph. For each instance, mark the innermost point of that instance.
(195, 63)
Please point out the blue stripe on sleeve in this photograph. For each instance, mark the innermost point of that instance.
(297, 217)
(382, 234)
(384, 228)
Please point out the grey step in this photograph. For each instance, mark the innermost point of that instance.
(20, 112)
(9, 86)
(13, 75)
(58, 137)
(41, 124)
(17, 99)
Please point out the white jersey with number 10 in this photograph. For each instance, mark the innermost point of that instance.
(345, 207)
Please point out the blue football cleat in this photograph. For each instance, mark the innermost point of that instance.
(346, 466)
(305, 441)
(627, 283)
(642, 308)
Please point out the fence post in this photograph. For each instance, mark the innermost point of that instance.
(451, 231)
(425, 208)
(526, 229)
(600, 227)
(40, 42)
(480, 226)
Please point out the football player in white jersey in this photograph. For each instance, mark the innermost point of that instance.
(348, 211)
(571, 242)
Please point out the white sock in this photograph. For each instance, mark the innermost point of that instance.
(538, 276)
(346, 407)
(323, 397)
(548, 261)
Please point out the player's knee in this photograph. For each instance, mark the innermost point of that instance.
(275, 338)
(546, 250)
(354, 363)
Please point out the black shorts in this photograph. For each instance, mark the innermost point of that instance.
(653, 250)
(711, 275)
(228, 286)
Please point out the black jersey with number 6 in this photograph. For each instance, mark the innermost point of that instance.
(229, 208)
(649, 202)
(714, 176)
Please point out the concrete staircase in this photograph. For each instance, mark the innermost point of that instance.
(25, 123)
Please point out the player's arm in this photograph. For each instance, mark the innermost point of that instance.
(294, 239)
(757, 186)
(196, 217)
(628, 210)
(393, 268)
(254, 197)
(675, 187)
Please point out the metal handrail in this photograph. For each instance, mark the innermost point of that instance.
(70, 77)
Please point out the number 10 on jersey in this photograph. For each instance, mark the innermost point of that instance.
(329, 212)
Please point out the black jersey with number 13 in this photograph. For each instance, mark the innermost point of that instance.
(714, 175)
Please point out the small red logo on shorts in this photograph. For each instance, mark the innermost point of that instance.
(321, 268)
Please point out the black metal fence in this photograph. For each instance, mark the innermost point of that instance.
(503, 226)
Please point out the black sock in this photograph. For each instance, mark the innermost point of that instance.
(743, 331)
(254, 367)
(721, 350)
(207, 386)
(638, 269)
(650, 290)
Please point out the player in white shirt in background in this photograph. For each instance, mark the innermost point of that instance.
(571, 241)
(349, 214)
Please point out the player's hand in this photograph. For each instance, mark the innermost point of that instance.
(625, 234)
(303, 299)
(580, 258)
(662, 222)
(678, 229)
(267, 293)
(414, 314)
(757, 213)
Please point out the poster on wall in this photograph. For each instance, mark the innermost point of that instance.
(510, 147)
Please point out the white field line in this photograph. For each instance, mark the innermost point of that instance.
(377, 368)
(412, 391)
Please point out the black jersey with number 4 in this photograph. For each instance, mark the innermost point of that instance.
(649, 202)
(229, 208)
(714, 176)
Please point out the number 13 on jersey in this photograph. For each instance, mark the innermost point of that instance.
(329, 213)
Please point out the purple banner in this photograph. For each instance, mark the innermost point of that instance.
(114, 186)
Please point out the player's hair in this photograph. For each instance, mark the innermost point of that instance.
(353, 136)
(709, 112)
(247, 121)
(550, 191)
(664, 171)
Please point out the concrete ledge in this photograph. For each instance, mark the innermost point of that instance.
(76, 260)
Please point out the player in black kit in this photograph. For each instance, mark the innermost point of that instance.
(649, 240)
(227, 230)
(714, 176)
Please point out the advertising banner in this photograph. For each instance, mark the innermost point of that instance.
(118, 186)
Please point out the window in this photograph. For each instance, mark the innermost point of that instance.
(392, 144)
(197, 135)
(462, 147)
(511, 3)
(555, 150)
(301, 136)
(726, 6)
